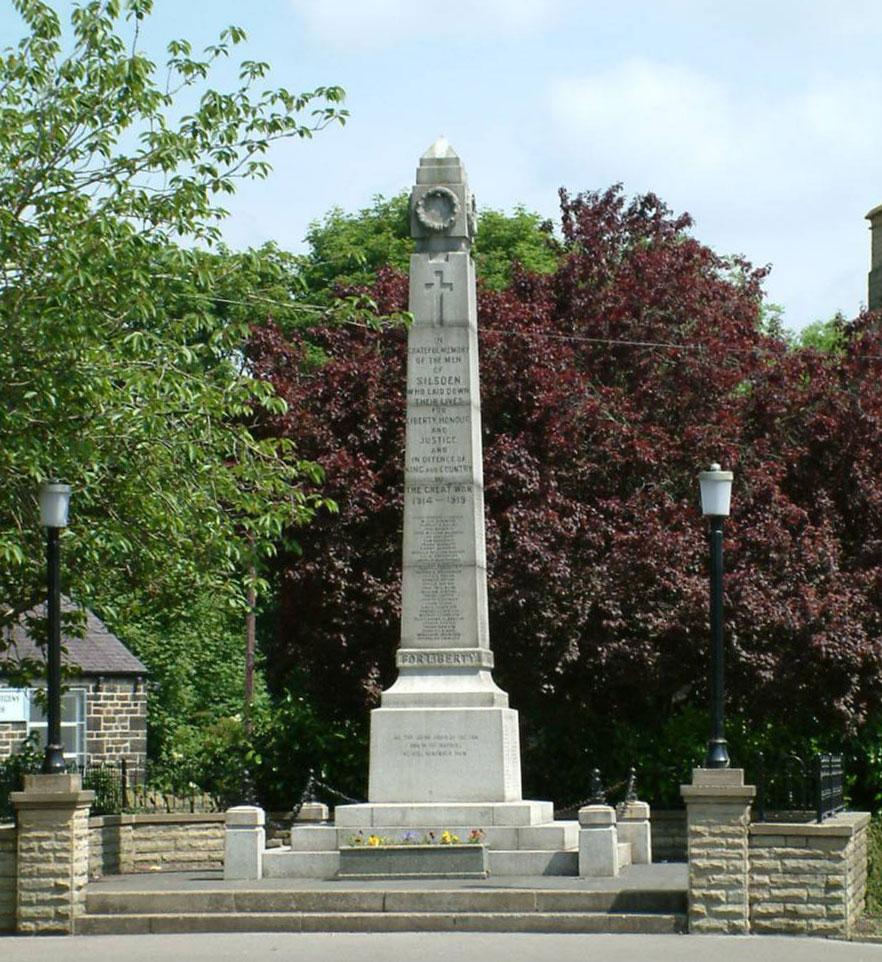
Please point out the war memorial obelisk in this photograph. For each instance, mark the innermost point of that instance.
(444, 746)
(444, 751)
(444, 731)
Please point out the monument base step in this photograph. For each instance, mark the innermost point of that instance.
(562, 922)
(174, 907)
(450, 815)
(550, 836)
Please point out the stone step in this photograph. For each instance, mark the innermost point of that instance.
(533, 863)
(285, 863)
(364, 900)
(551, 836)
(569, 922)
(466, 815)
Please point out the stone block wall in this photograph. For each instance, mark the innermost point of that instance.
(668, 834)
(7, 877)
(149, 843)
(808, 878)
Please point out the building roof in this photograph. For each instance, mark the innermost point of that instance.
(98, 652)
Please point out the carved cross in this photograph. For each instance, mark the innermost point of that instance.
(442, 286)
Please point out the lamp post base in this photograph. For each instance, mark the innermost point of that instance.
(717, 754)
(53, 761)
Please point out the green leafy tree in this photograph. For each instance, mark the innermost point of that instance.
(506, 239)
(120, 359)
(347, 250)
(828, 336)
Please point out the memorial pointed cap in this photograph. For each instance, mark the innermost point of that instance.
(441, 148)
(440, 164)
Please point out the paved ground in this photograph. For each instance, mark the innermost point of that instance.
(432, 947)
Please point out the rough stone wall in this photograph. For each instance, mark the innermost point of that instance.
(856, 872)
(874, 289)
(7, 878)
(278, 829)
(668, 835)
(12, 734)
(808, 878)
(148, 843)
(116, 721)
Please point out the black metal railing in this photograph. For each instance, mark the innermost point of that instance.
(120, 786)
(792, 790)
(829, 798)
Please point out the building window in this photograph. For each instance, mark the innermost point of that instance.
(73, 723)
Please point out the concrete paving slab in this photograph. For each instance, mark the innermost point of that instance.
(433, 947)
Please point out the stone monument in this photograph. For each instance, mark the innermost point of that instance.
(444, 750)
(444, 731)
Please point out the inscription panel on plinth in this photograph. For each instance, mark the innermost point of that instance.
(445, 755)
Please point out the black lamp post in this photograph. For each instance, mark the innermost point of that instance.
(54, 502)
(716, 492)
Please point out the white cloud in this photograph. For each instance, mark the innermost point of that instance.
(376, 24)
(783, 179)
(648, 112)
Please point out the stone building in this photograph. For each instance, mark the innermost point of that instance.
(874, 298)
(104, 705)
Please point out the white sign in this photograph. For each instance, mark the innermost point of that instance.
(13, 705)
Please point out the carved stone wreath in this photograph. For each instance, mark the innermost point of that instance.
(436, 210)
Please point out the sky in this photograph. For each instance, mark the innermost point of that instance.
(763, 120)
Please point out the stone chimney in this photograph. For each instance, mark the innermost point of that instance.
(874, 294)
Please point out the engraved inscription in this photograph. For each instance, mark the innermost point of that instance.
(438, 615)
(440, 539)
(439, 441)
(435, 745)
(421, 495)
(511, 763)
(446, 658)
(439, 371)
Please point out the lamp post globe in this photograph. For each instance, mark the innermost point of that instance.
(54, 503)
(716, 493)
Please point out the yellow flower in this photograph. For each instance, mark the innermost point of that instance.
(448, 839)
(374, 840)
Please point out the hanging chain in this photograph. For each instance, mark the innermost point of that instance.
(600, 792)
(308, 796)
